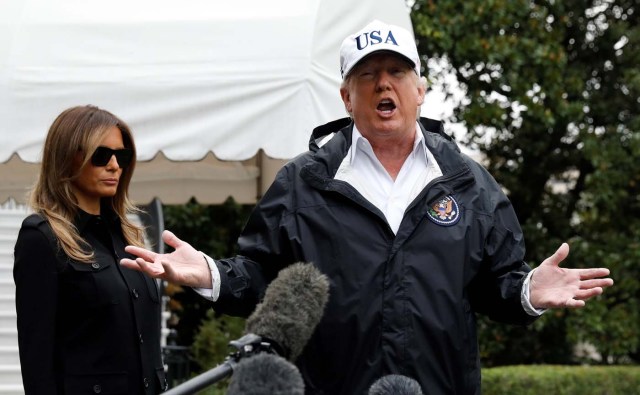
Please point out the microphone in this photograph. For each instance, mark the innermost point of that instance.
(281, 324)
(291, 309)
(266, 374)
(395, 384)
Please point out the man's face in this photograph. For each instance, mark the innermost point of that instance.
(383, 95)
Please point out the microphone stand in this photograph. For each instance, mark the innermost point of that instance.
(248, 345)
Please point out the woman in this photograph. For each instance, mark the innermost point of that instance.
(85, 323)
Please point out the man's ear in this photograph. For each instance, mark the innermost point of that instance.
(422, 90)
(346, 98)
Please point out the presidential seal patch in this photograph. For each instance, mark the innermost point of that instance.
(445, 211)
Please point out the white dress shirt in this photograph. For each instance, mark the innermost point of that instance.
(362, 169)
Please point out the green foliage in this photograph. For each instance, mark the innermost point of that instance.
(211, 343)
(561, 380)
(553, 103)
(213, 230)
(536, 344)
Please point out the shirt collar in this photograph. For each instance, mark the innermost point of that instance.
(419, 145)
(83, 218)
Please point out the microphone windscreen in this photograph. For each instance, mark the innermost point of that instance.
(395, 384)
(265, 374)
(292, 307)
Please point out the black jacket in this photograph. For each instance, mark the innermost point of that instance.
(400, 303)
(85, 328)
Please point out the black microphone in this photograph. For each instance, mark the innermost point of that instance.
(266, 374)
(395, 384)
(282, 323)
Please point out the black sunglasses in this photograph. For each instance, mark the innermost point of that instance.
(102, 156)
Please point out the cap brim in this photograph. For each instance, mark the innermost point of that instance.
(393, 53)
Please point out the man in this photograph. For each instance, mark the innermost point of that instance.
(415, 237)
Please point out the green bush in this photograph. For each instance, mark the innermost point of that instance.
(211, 344)
(561, 380)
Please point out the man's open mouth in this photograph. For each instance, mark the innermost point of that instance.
(386, 105)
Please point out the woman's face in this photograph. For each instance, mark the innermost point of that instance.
(95, 182)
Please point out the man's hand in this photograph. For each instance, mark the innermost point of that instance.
(552, 286)
(184, 266)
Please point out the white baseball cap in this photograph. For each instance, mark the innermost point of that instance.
(378, 36)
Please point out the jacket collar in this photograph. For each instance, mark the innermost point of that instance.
(324, 132)
(321, 163)
(329, 143)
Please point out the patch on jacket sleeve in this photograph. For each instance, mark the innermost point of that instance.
(445, 211)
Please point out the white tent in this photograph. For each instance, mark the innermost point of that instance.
(218, 93)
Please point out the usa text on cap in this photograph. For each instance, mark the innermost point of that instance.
(378, 36)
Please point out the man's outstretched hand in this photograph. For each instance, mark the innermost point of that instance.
(184, 266)
(552, 286)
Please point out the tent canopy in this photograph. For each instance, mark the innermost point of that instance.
(218, 94)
